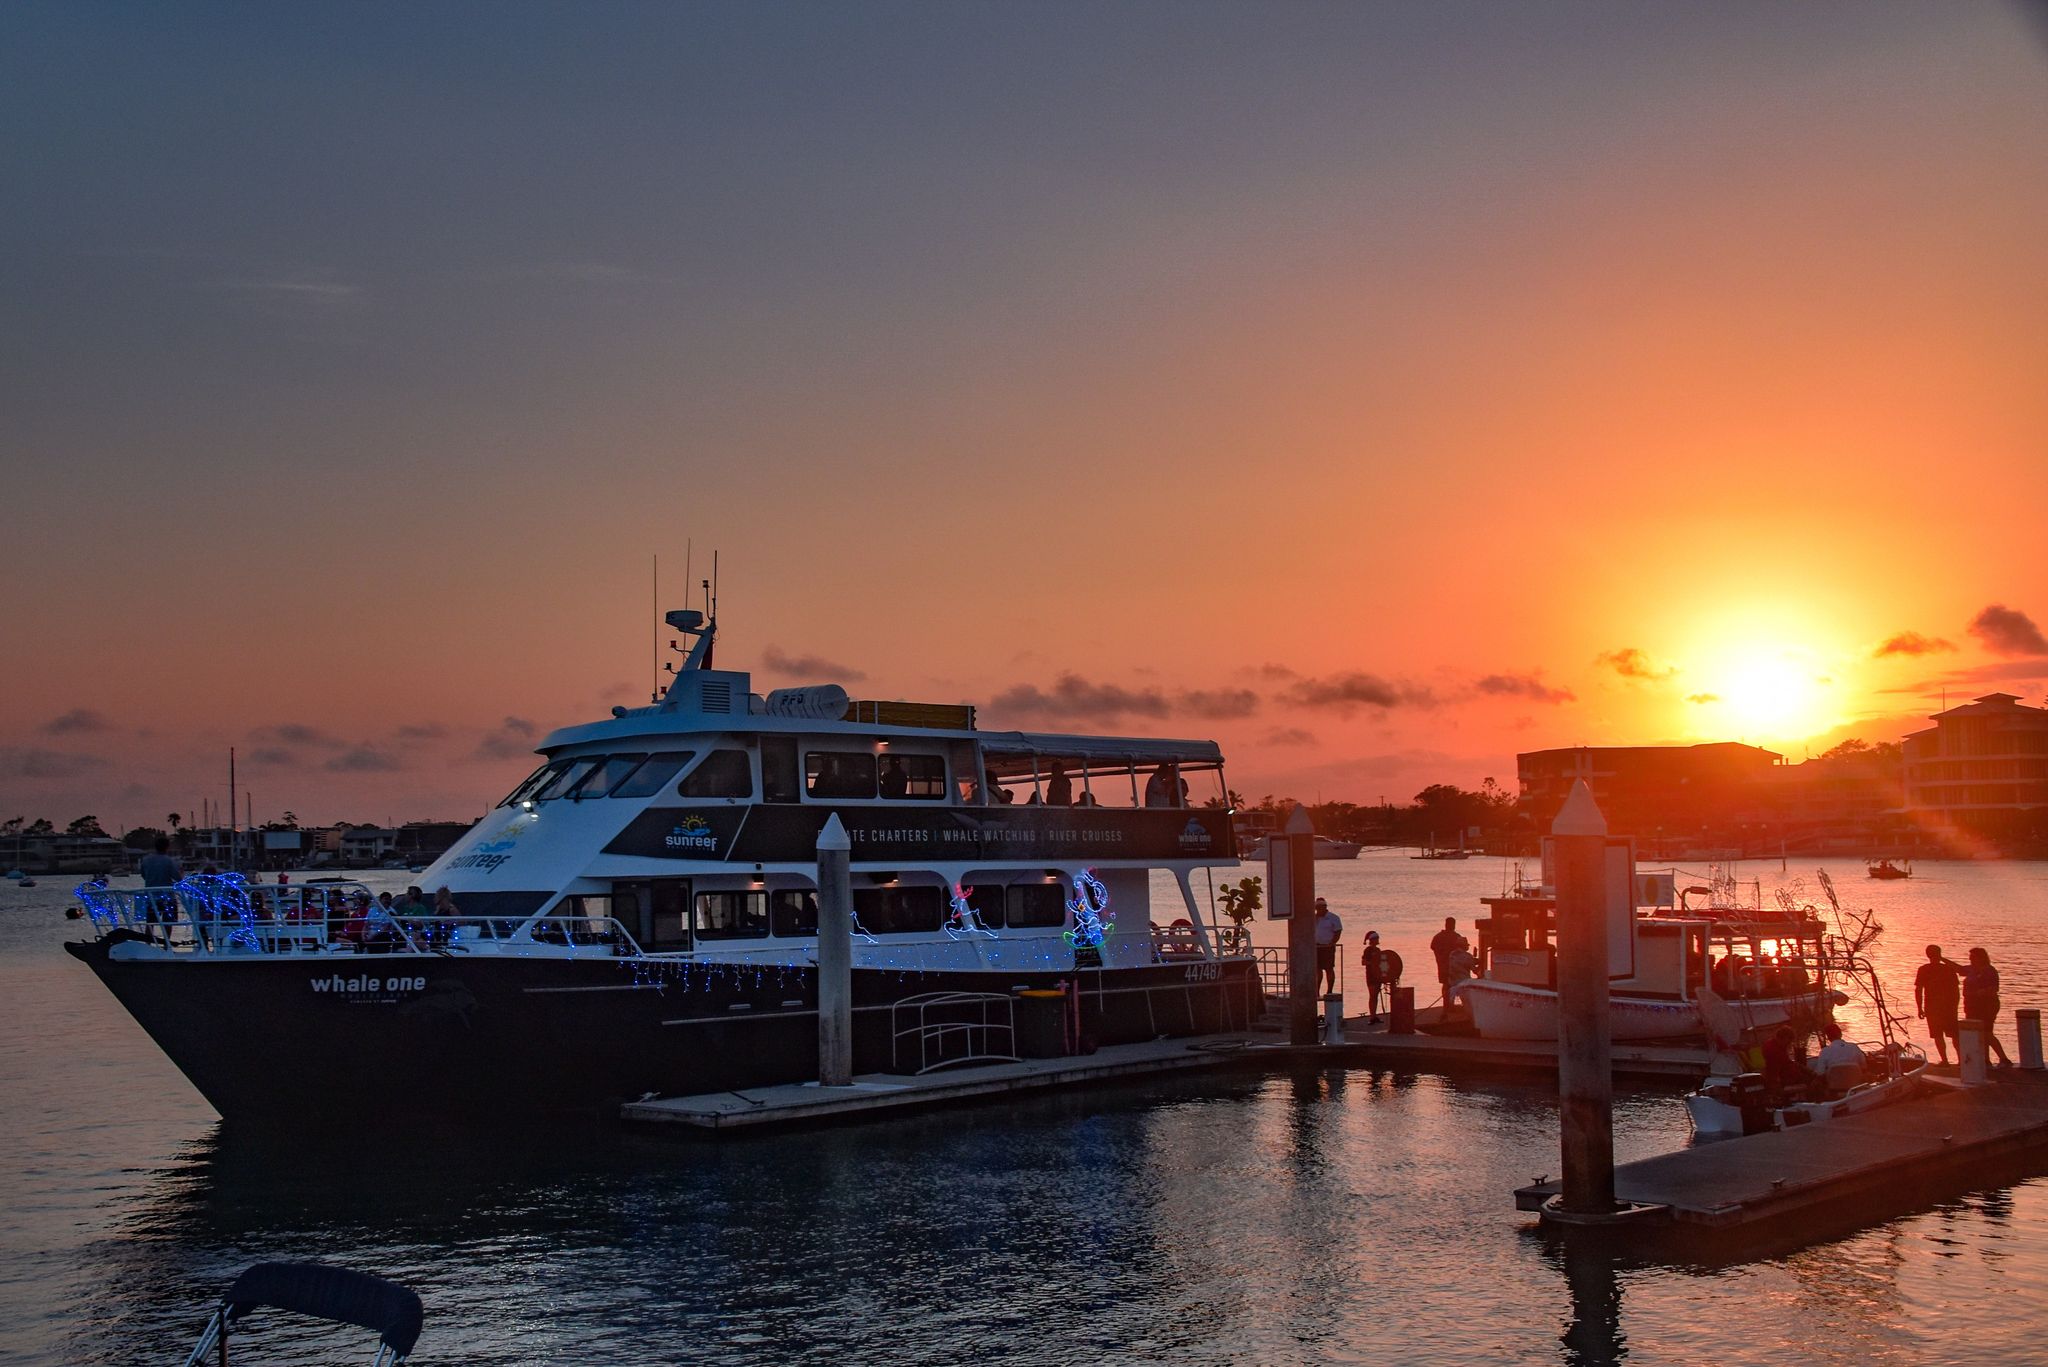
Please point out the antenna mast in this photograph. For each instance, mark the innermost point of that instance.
(655, 696)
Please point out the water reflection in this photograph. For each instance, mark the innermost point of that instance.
(1592, 1335)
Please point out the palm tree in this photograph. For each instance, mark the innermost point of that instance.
(173, 819)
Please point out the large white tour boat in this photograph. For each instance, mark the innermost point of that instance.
(640, 916)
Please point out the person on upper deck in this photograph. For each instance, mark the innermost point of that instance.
(1059, 789)
(992, 790)
(1164, 788)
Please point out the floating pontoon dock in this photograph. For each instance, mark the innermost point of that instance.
(1880, 1156)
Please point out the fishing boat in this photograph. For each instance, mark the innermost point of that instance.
(1435, 851)
(1885, 868)
(1736, 1097)
(1757, 959)
(639, 915)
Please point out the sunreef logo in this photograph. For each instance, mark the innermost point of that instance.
(1194, 835)
(489, 855)
(691, 833)
(363, 988)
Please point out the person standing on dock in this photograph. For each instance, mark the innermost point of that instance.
(1444, 944)
(1375, 974)
(1980, 1001)
(1937, 994)
(1329, 930)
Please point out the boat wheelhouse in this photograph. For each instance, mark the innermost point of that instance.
(640, 914)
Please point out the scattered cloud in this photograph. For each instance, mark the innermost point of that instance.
(426, 730)
(298, 733)
(509, 739)
(1273, 671)
(1290, 735)
(271, 757)
(79, 721)
(2008, 631)
(1357, 689)
(1631, 663)
(1530, 686)
(361, 759)
(36, 763)
(1219, 704)
(1911, 643)
(809, 666)
(297, 291)
(1703, 697)
(1075, 697)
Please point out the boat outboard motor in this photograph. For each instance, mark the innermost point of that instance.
(1746, 1093)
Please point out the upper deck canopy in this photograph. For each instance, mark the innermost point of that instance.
(1015, 753)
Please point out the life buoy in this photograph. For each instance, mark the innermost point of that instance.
(1390, 965)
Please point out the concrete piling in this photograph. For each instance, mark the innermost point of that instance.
(2027, 1022)
(1973, 1055)
(1291, 881)
(835, 956)
(1585, 1081)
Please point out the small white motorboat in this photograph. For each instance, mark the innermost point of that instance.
(1733, 1103)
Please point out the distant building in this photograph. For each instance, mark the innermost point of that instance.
(422, 842)
(1980, 773)
(363, 846)
(1714, 792)
(62, 852)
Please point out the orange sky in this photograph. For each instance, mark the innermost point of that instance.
(1355, 389)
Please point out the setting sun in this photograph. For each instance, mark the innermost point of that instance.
(1773, 695)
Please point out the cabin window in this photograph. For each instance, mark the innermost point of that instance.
(1036, 904)
(734, 915)
(579, 919)
(898, 910)
(651, 777)
(988, 905)
(778, 770)
(572, 775)
(839, 773)
(606, 776)
(528, 784)
(724, 773)
(916, 778)
(794, 910)
(656, 911)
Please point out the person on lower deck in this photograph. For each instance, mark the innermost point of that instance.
(1783, 1075)
(1980, 1001)
(1937, 997)
(160, 874)
(1329, 930)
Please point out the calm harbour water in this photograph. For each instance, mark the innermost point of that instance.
(1331, 1216)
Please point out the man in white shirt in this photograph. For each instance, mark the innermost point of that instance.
(1329, 930)
(1837, 1053)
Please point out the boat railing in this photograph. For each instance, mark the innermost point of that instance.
(949, 1029)
(1275, 975)
(223, 914)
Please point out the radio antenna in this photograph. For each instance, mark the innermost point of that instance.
(655, 696)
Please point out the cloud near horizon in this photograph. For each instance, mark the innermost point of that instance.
(1529, 685)
(298, 733)
(1073, 696)
(79, 721)
(1355, 688)
(815, 667)
(1911, 643)
(1632, 663)
(362, 759)
(33, 763)
(2008, 631)
(511, 738)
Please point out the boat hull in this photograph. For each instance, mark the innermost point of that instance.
(1511, 1011)
(1713, 1118)
(347, 1040)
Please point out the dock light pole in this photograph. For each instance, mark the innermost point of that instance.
(1585, 1078)
(1291, 878)
(835, 955)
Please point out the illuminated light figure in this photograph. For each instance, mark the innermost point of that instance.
(1089, 902)
(964, 921)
